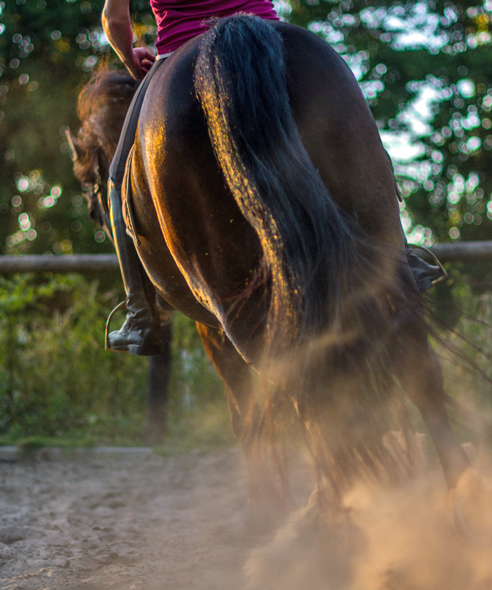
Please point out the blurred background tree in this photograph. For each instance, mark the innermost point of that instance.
(421, 64)
(423, 68)
(47, 52)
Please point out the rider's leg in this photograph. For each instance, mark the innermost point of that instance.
(140, 334)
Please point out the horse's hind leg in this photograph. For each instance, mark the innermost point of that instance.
(234, 372)
(237, 377)
(419, 372)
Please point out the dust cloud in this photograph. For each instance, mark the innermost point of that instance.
(399, 538)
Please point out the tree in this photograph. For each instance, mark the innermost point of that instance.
(47, 51)
(423, 66)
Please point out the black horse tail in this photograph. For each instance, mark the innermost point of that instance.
(326, 294)
(240, 78)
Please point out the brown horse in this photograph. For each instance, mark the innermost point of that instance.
(265, 208)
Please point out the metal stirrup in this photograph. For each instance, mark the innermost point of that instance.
(108, 321)
(445, 274)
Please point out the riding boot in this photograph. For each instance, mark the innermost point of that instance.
(141, 332)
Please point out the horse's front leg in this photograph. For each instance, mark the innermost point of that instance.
(420, 375)
(266, 502)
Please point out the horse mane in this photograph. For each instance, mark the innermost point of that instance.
(101, 107)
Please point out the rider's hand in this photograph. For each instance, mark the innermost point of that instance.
(117, 25)
(142, 62)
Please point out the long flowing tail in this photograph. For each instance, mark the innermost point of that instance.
(240, 78)
(315, 257)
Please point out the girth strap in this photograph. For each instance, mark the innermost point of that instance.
(127, 199)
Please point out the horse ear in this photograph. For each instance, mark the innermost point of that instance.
(72, 142)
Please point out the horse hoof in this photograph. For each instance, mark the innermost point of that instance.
(471, 503)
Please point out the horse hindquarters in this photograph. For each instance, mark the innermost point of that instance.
(329, 283)
(240, 79)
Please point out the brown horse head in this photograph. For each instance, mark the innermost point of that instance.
(101, 108)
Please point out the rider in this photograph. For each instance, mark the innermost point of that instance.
(177, 22)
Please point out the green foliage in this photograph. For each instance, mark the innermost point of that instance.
(469, 352)
(192, 373)
(55, 375)
(44, 48)
(56, 379)
(423, 68)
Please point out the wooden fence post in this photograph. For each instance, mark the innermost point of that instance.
(158, 390)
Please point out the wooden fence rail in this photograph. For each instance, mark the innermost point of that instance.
(104, 263)
(464, 251)
(83, 263)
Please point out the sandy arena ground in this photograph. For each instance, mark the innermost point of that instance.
(125, 522)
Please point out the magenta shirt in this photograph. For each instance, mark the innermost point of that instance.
(179, 21)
